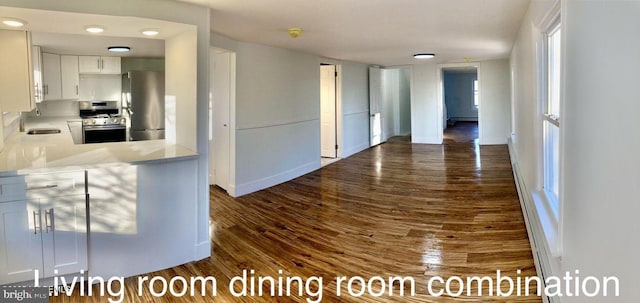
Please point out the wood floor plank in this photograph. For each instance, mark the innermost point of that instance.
(398, 209)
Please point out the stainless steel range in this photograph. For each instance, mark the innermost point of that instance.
(102, 122)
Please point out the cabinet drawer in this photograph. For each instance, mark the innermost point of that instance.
(36, 186)
(55, 184)
(13, 189)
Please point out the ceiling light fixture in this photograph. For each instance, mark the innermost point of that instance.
(13, 22)
(119, 49)
(424, 56)
(150, 32)
(94, 29)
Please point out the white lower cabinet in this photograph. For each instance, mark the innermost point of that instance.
(45, 231)
(20, 241)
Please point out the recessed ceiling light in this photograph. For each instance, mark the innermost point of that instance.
(94, 29)
(424, 56)
(150, 32)
(119, 49)
(13, 22)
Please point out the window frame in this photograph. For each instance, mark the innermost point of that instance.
(549, 207)
(552, 197)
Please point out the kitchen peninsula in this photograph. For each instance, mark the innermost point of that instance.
(41, 153)
(102, 208)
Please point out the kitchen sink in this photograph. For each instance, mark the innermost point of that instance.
(43, 131)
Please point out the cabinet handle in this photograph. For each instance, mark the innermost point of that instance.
(98, 64)
(42, 187)
(48, 220)
(46, 89)
(76, 89)
(36, 215)
(102, 63)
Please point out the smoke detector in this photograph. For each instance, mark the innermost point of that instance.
(294, 32)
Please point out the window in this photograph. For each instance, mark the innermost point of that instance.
(475, 93)
(551, 119)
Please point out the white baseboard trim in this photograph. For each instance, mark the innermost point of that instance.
(542, 257)
(493, 141)
(203, 250)
(276, 179)
(352, 151)
(464, 119)
(232, 190)
(426, 140)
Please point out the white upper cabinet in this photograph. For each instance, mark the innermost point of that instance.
(99, 65)
(51, 77)
(70, 77)
(17, 85)
(36, 56)
(110, 65)
(89, 64)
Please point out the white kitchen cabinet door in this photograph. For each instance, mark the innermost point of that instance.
(89, 64)
(99, 65)
(64, 234)
(16, 80)
(70, 77)
(51, 77)
(20, 241)
(110, 65)
(36, 56)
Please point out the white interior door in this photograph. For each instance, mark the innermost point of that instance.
(375, 105)
(221, 93)
(328, 111)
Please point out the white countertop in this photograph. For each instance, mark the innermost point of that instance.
(29, 153)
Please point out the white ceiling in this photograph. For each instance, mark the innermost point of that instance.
(68, 44)
(64, 32)
(385, 32)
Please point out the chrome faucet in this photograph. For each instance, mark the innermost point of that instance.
(22, 118)
(21, 122)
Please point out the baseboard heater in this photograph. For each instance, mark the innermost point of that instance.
(541, 255)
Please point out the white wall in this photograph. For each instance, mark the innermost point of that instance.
(390, 100)
(495, 102)
(404, 78)
(180, 88)
(278, 113)
(458, 95)
(426, 108)
(601, 154)
(396, 100)
(426, 113)
(600, 142)
(355, 108)
(526, 136)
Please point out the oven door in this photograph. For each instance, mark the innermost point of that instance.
(103, 133)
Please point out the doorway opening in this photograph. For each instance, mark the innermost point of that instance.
(330, 113)
(222, 87)
(389, 103)
(460, 103)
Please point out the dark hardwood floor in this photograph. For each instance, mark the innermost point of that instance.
(398, 209)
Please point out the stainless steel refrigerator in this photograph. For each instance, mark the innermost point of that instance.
(143, 100)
